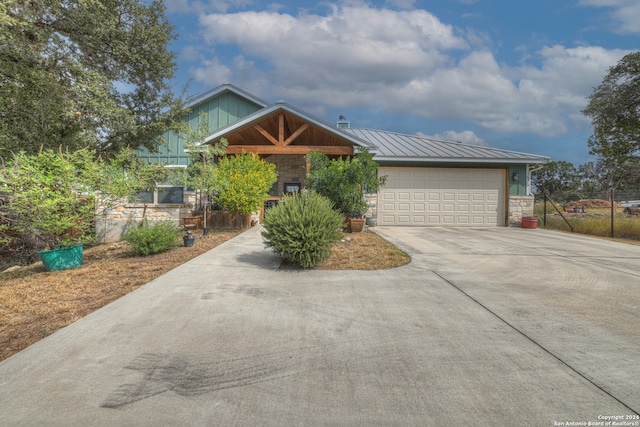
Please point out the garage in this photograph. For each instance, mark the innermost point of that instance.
(432, 196)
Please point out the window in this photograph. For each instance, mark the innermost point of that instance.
(291, 187)
(162, 195)
(170, 195)
(145, 197)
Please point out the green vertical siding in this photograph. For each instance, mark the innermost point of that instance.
(222, 110)
(518, 188)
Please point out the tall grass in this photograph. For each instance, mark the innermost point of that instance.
(595, 222)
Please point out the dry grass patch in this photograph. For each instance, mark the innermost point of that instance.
(597, 222)
(362, 251)
(35, 303)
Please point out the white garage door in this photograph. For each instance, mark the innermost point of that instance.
(442, 196)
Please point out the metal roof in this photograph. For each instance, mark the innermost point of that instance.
(226, 88)
(396, 147)
(387, 146)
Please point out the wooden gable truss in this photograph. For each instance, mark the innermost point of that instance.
(283, 132)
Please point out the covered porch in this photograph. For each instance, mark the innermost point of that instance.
(283, 135)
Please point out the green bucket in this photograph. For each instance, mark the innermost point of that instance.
(63, 258)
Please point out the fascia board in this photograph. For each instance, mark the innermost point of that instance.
(401, 160)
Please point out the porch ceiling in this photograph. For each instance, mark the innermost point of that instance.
(285, 133)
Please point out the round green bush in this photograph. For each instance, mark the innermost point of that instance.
(302, 228)
(149, 240)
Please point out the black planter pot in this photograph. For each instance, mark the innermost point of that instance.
(188, 241)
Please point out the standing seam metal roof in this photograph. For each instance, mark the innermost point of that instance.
(404, 148)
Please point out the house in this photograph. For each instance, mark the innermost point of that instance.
(429, 182)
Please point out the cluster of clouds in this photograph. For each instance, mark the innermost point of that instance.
(624, 13)
(404, 61)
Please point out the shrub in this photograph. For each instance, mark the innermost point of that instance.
(345, 181)
(245, 182)
(53, 196)
(149, 240)
(303, 228)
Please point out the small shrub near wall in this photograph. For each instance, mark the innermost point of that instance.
(149, 240)
(303, 228)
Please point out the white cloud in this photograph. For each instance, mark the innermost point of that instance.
(350, 39)
(405, 62)
(352, 50)
(212, 72)
(625, 13)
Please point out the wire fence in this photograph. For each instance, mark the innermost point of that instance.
(620, 196)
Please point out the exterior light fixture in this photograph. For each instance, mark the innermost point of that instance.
(515, 176)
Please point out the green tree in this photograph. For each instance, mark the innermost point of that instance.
(345, 181)
(202, 172)
(85, 73)
(54, 195)
(592, 181)
(555, 178)
(245, 182)
(604, 174)
(614, 109)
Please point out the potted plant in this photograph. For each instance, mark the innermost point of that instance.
(188, 239)
(346, 182)
(356, 206)
(56, 196)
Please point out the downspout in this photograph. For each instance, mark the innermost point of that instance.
(530, 170)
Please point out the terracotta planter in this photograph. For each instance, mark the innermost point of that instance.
(192, 221)
(529, 222)
(356, 225)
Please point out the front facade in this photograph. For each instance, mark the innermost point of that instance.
(429, 182)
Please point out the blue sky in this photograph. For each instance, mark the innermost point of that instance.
(503, 73)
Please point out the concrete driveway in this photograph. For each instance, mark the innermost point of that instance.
(500, 326)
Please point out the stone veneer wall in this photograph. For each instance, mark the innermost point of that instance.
(291, 169)
(114, 223)
(372, 201)
(520, 206)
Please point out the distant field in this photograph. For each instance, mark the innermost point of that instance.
(595, 222)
